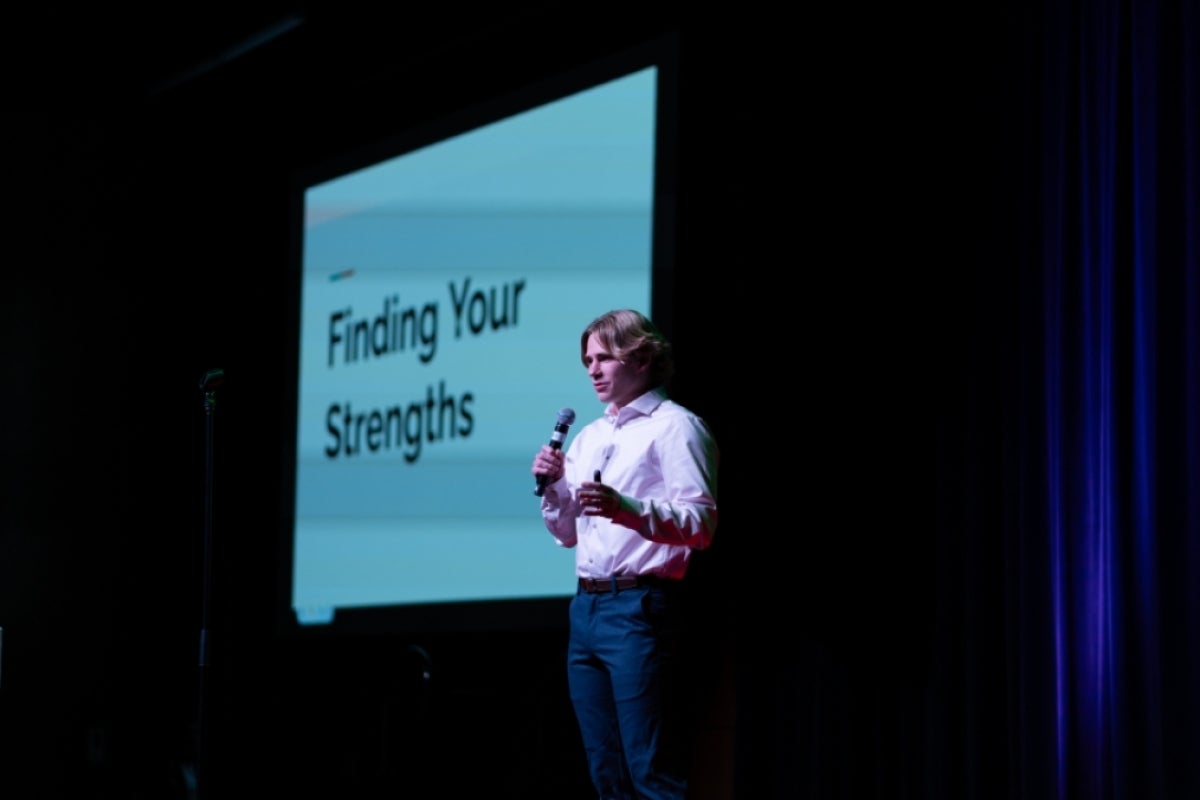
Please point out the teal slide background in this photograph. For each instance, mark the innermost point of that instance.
(540, 221)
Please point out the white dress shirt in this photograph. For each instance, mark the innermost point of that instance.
(662, 458)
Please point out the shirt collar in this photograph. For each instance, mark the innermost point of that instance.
(643, 405)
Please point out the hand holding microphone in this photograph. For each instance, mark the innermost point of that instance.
(548, 464)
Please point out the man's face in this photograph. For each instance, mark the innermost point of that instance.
(614, 381)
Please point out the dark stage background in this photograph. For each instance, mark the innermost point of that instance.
(857, 311)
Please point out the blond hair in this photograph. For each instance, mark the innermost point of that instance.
(631, 336)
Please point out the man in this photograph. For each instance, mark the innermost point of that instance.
(635, 495)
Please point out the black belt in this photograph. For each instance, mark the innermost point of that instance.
(620, 583)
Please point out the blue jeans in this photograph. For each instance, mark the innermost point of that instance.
(621, 650)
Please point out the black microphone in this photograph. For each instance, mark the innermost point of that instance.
(565, 418)
(212, 380)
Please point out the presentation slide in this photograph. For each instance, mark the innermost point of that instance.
(442, 297)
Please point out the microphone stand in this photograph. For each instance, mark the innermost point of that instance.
(209, 384)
